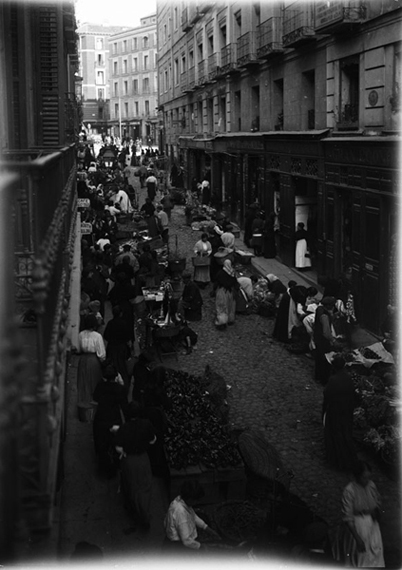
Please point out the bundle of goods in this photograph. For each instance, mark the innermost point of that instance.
(243, 257)
(367, 356)
(263, 301)
(197, 432)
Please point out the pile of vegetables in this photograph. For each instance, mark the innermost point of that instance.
(198, 432)
(376, 415)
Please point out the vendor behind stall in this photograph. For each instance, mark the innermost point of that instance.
(181, 521)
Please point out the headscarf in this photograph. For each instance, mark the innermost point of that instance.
(227, 266)
(271, 277)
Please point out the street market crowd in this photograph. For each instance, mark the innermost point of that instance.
(130, 270)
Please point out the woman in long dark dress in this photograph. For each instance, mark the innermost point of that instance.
(132, 441)
(281, 328)
(337, 411)
(225, 286)
(324, 338)
(191, 299)
(269, 247)
(111, 410)
(122, 294)
(118, 337)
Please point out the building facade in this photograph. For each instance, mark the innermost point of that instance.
(295, 104)
(133, 82)
(93, 49)
(39, 123)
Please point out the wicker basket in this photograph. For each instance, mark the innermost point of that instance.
(201, 260)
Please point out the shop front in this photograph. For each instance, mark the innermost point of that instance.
(358, 215)
(293, 179)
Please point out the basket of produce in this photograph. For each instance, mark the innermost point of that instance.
(222, 254)
(238, 521)
(201, 260)
(243, 257)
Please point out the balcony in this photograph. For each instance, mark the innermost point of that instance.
(213, 70)
(297, 28)
(270, 37)
(202, 72)
(247, 50)
(194, 13)
(229, 59)
(185, 22)
(349, 119)
(184, 82)
(338, 17)
(191, 78)
(204, 5)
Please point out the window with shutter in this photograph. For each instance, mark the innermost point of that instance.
(49, 75)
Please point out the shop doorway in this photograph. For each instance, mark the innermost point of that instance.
(305, 193)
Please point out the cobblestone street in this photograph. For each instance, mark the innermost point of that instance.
(270, 389)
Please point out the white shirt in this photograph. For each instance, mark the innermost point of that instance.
(164, 219)
(181, 523)
(247, 285)
(102, 242)
(92, 341)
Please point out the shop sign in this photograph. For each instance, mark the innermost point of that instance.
(86, 228)
(83, 202)
(328, 13)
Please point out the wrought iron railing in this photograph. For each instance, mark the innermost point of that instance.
(45, 219)
(229, 58)
(297, 26)
(269, 37)
(247, 48)
(212, 66)
(202, 72)
(191, 78)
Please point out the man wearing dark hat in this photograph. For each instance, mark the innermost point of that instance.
(324, 338)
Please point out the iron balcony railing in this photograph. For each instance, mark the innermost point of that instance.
(247, 49)
(183, 81)
(270, 37)
(338, 16)
(44, 215)
(191, 78)
(202, 72)
(229, 58)
(213, 66)
(297, 26)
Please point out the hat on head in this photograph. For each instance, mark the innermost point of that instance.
(328, 301)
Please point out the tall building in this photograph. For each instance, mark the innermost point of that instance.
(39, 221)
(94, 69)
(296, 104)
(133, 82)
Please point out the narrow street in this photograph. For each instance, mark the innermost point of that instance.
(270, 389)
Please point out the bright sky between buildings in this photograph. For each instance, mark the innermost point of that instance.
(120, 13)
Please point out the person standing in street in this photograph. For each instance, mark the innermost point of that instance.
(164, 223)
(151, 183)
(302, 256)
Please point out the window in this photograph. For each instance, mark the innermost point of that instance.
(137, 112)
(165, 81)
(200, 52)
(237, 24)
(191, 58)
(223, 35)
(396, 86)
(135, 43)
(116, 110)
(116, 89)
(210, 45)
(176, 71)
(126, 88)
(278, 105)
(183, 64)
(135, 86)
(99, 43)
(124, 66)
(146, 62)
(101, 93)
(145, 42)
(349, 93)
(115, 47)
(100, 59)
(100, 78)
(115, 68)
(100, 112)
(199, 117)
(135, 64)
(147, 108)
(145, 85)
(126, 110)
(124, 46)
(238, 109)
(175, 19)
(165, 33)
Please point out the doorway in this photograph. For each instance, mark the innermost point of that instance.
(305, 192)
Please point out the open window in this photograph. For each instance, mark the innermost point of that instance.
(349, 93)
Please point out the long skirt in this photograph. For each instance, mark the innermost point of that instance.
(201, 274)
(118, 354)
(345, 548)
(301, 260)
(225, 307)
(136, 481)
(89, 373)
